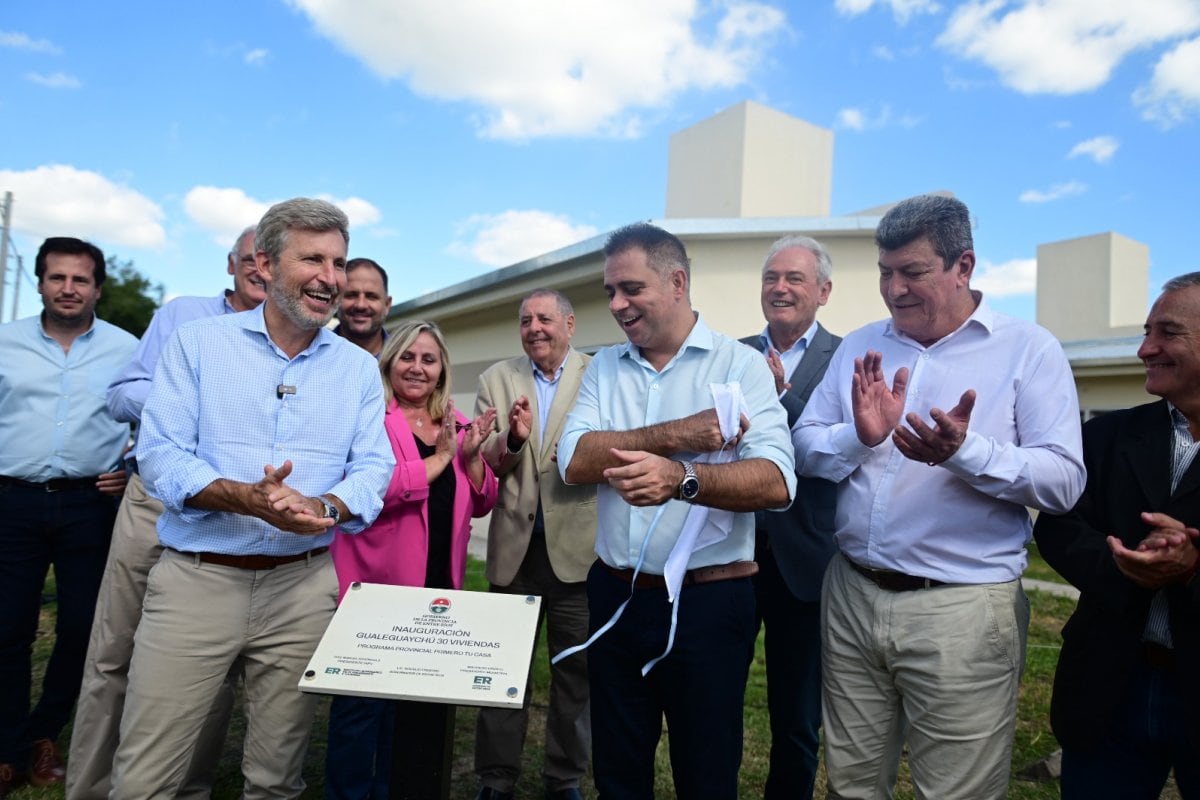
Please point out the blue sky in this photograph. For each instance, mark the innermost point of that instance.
(465, 136)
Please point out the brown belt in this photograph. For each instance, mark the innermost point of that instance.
(720, 572)
(1156, 656)
(892, 581)
(52, 485)
(252, 562)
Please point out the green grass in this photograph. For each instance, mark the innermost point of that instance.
(1033, 741)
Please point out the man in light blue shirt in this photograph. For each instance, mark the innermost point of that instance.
(60, 453)
(643, 427)
(262, 431)
(135, 549)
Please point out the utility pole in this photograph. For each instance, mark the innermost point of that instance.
(17, 272)
(5, 215)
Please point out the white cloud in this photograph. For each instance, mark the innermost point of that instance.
(21, 41)
(883, 52)
(60, 200)
(1174, 90)
(1061, 124)
(1063, 46)
(548, 68)
(856, 119)
(360, 212)
(225, 212)
(852, 119)
(1055, 192)
(57, 80)
(1009, 279)
(1100, 148)
(901, 9)
(257, 56)
(513, 236)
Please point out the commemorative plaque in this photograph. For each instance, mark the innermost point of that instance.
(428, 645)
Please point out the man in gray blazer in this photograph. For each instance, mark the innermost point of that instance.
(794, 546)
(541, 540)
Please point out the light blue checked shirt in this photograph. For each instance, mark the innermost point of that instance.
(53, 423)
(128, 392)
(621, 391)
(214, 412)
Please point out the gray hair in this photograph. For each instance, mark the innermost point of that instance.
(824, 262)
(1185, 281)
(300, 213)
(560, 301)
(233, 251)
(945, 221)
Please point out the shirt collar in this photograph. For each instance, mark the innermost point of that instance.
(538, 375)
(765, 340)
(983, 316)
(254, 320)
(700, 337)
(85, 335)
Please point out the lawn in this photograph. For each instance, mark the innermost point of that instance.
(1034, 741)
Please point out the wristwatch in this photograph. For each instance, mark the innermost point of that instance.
(689, 487)
(331, 511)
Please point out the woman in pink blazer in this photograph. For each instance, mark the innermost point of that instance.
(419, 539)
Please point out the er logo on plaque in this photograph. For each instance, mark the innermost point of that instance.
(440, 605)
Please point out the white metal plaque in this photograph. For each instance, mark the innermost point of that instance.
(432, 645)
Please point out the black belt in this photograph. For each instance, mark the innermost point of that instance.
(253, 562)
(891, 581)
(52, 485)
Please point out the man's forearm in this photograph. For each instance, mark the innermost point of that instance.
(593, 453)
(223, 495)
(755, 484)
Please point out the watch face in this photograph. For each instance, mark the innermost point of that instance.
(689, 488)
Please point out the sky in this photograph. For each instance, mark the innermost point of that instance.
(462, 136)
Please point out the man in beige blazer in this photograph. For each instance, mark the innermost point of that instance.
(540, 541)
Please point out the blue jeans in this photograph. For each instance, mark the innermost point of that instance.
(1147, 737)
(71, 530)
(358, 758)
(700, 687)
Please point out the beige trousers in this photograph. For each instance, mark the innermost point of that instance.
(936, 668)
(134, 550)
(199, 621)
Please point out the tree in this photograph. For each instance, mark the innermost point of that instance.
(128, 299)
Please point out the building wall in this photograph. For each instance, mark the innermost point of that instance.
(750, 161)
(1093, 286)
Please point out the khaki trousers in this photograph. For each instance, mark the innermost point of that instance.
(134, 550)
(938, 668)
(199, 621)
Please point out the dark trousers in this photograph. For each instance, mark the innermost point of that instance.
(1146, 739)
(358, 758)
(700, 687)
(500, 732)
(71, 530)
(793, 654)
